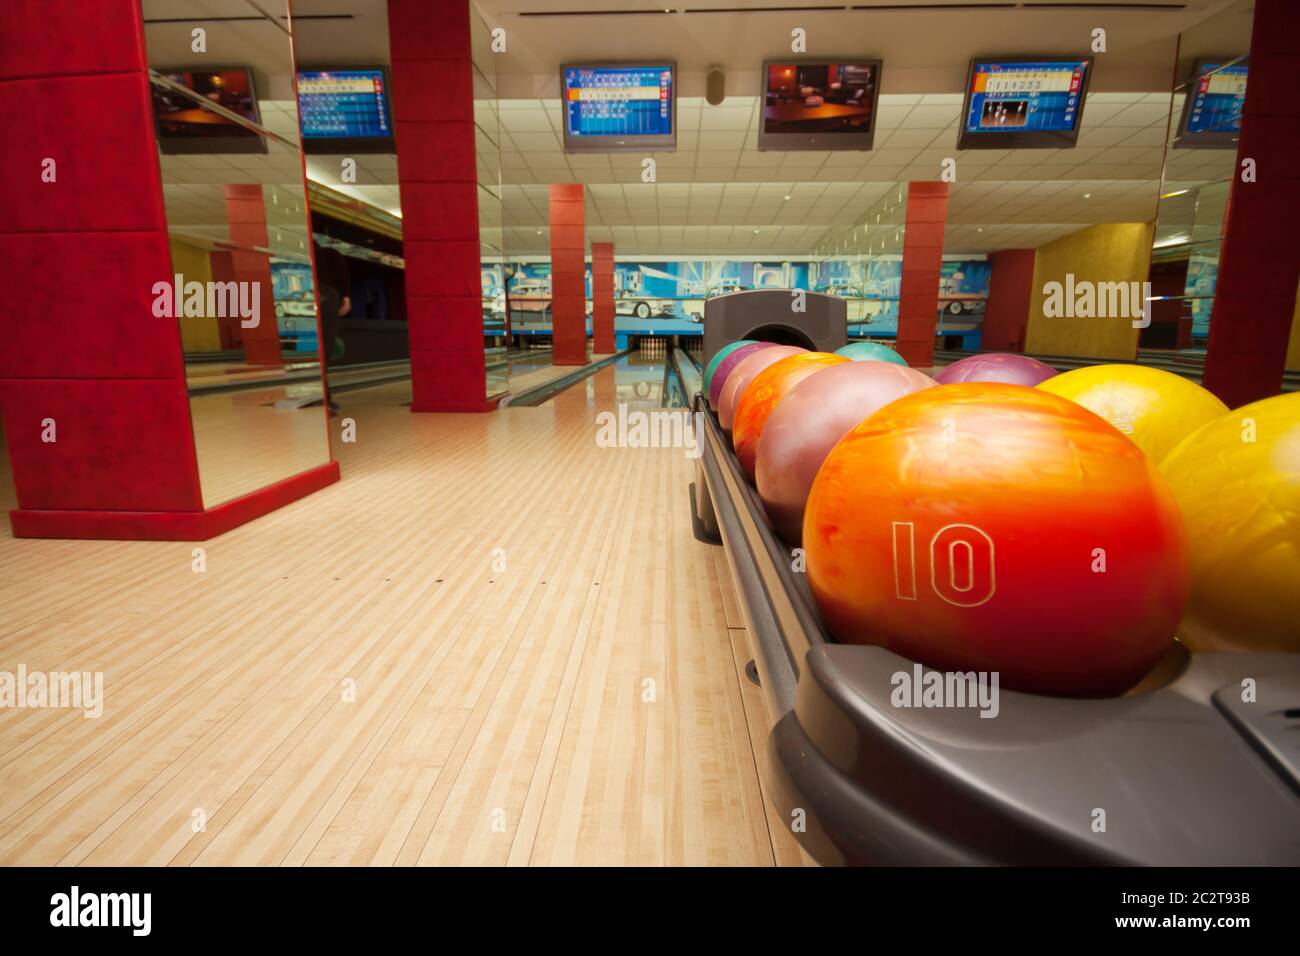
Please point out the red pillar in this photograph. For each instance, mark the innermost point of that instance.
(602, 297)
(433, 120)
(1011, 289)
(918, 306)
(223, 270)
(81, 255)
(1254, 297)
(246, 213)
(568, 276)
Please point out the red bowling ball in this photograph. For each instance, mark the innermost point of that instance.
(998, 528)
(808, 422)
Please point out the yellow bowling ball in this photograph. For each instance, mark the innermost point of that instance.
(1237, 483)
(1156, 409)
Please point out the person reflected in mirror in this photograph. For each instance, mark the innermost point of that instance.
(333, 282)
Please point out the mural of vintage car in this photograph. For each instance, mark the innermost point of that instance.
(301, 304)
(642, 308)
(530, 299)
(961, 305)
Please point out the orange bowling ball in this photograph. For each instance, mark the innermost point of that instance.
(744, 373)
(994, 527)
(763, 393)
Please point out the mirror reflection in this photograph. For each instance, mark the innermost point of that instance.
(492, 262)
(244, 292)
(1200, 163)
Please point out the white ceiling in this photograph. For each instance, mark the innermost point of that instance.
(716, 189)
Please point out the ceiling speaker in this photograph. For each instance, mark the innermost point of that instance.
(716, 90)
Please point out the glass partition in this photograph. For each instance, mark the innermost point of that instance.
(244, 290)
(487, 137)
(1199, 166)
(864, 264)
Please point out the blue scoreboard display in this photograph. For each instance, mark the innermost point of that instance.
(1016, 103)
(346, 104)
(619, 107)
(1215, 97)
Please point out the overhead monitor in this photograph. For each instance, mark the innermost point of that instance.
(619, 107)
(1216, 92)
(1024, 103)
(345, 110)
(819, 104)
(186, 126)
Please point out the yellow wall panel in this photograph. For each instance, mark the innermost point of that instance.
(1109, 252)
(198, 333)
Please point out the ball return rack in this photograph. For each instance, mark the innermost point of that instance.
(1180, 771)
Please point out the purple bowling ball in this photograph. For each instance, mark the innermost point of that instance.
(810, 421)
(729, 363)
(995, 367)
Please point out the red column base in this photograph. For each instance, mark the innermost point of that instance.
(171, 525)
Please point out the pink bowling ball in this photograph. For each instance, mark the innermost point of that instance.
(810, 421)
(995, 367)
(744, 373)
(726, 366)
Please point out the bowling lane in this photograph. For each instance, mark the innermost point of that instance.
(636, 380)
(504, 366)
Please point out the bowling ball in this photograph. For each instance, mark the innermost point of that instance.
(764, 393)
(718, 356)
(995, 367)
(870, 352)
(744, 373)
(1156, 409)
(994, 527)
(1237, 483)
(726, 366)
(816, 414)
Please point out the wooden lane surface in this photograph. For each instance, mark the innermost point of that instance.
(492, 643)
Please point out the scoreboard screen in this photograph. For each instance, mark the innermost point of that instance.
(346, 108)
(619, 107)
(1035, 103)
(1216, 94)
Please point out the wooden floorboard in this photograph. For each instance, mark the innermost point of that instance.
(583, 704)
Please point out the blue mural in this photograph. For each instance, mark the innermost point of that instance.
(666, 296)
(295, 304)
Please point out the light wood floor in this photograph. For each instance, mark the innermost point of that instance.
(501, 715)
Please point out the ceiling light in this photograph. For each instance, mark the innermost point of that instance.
(787, 198)
(1087, 195)
(756, 232)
